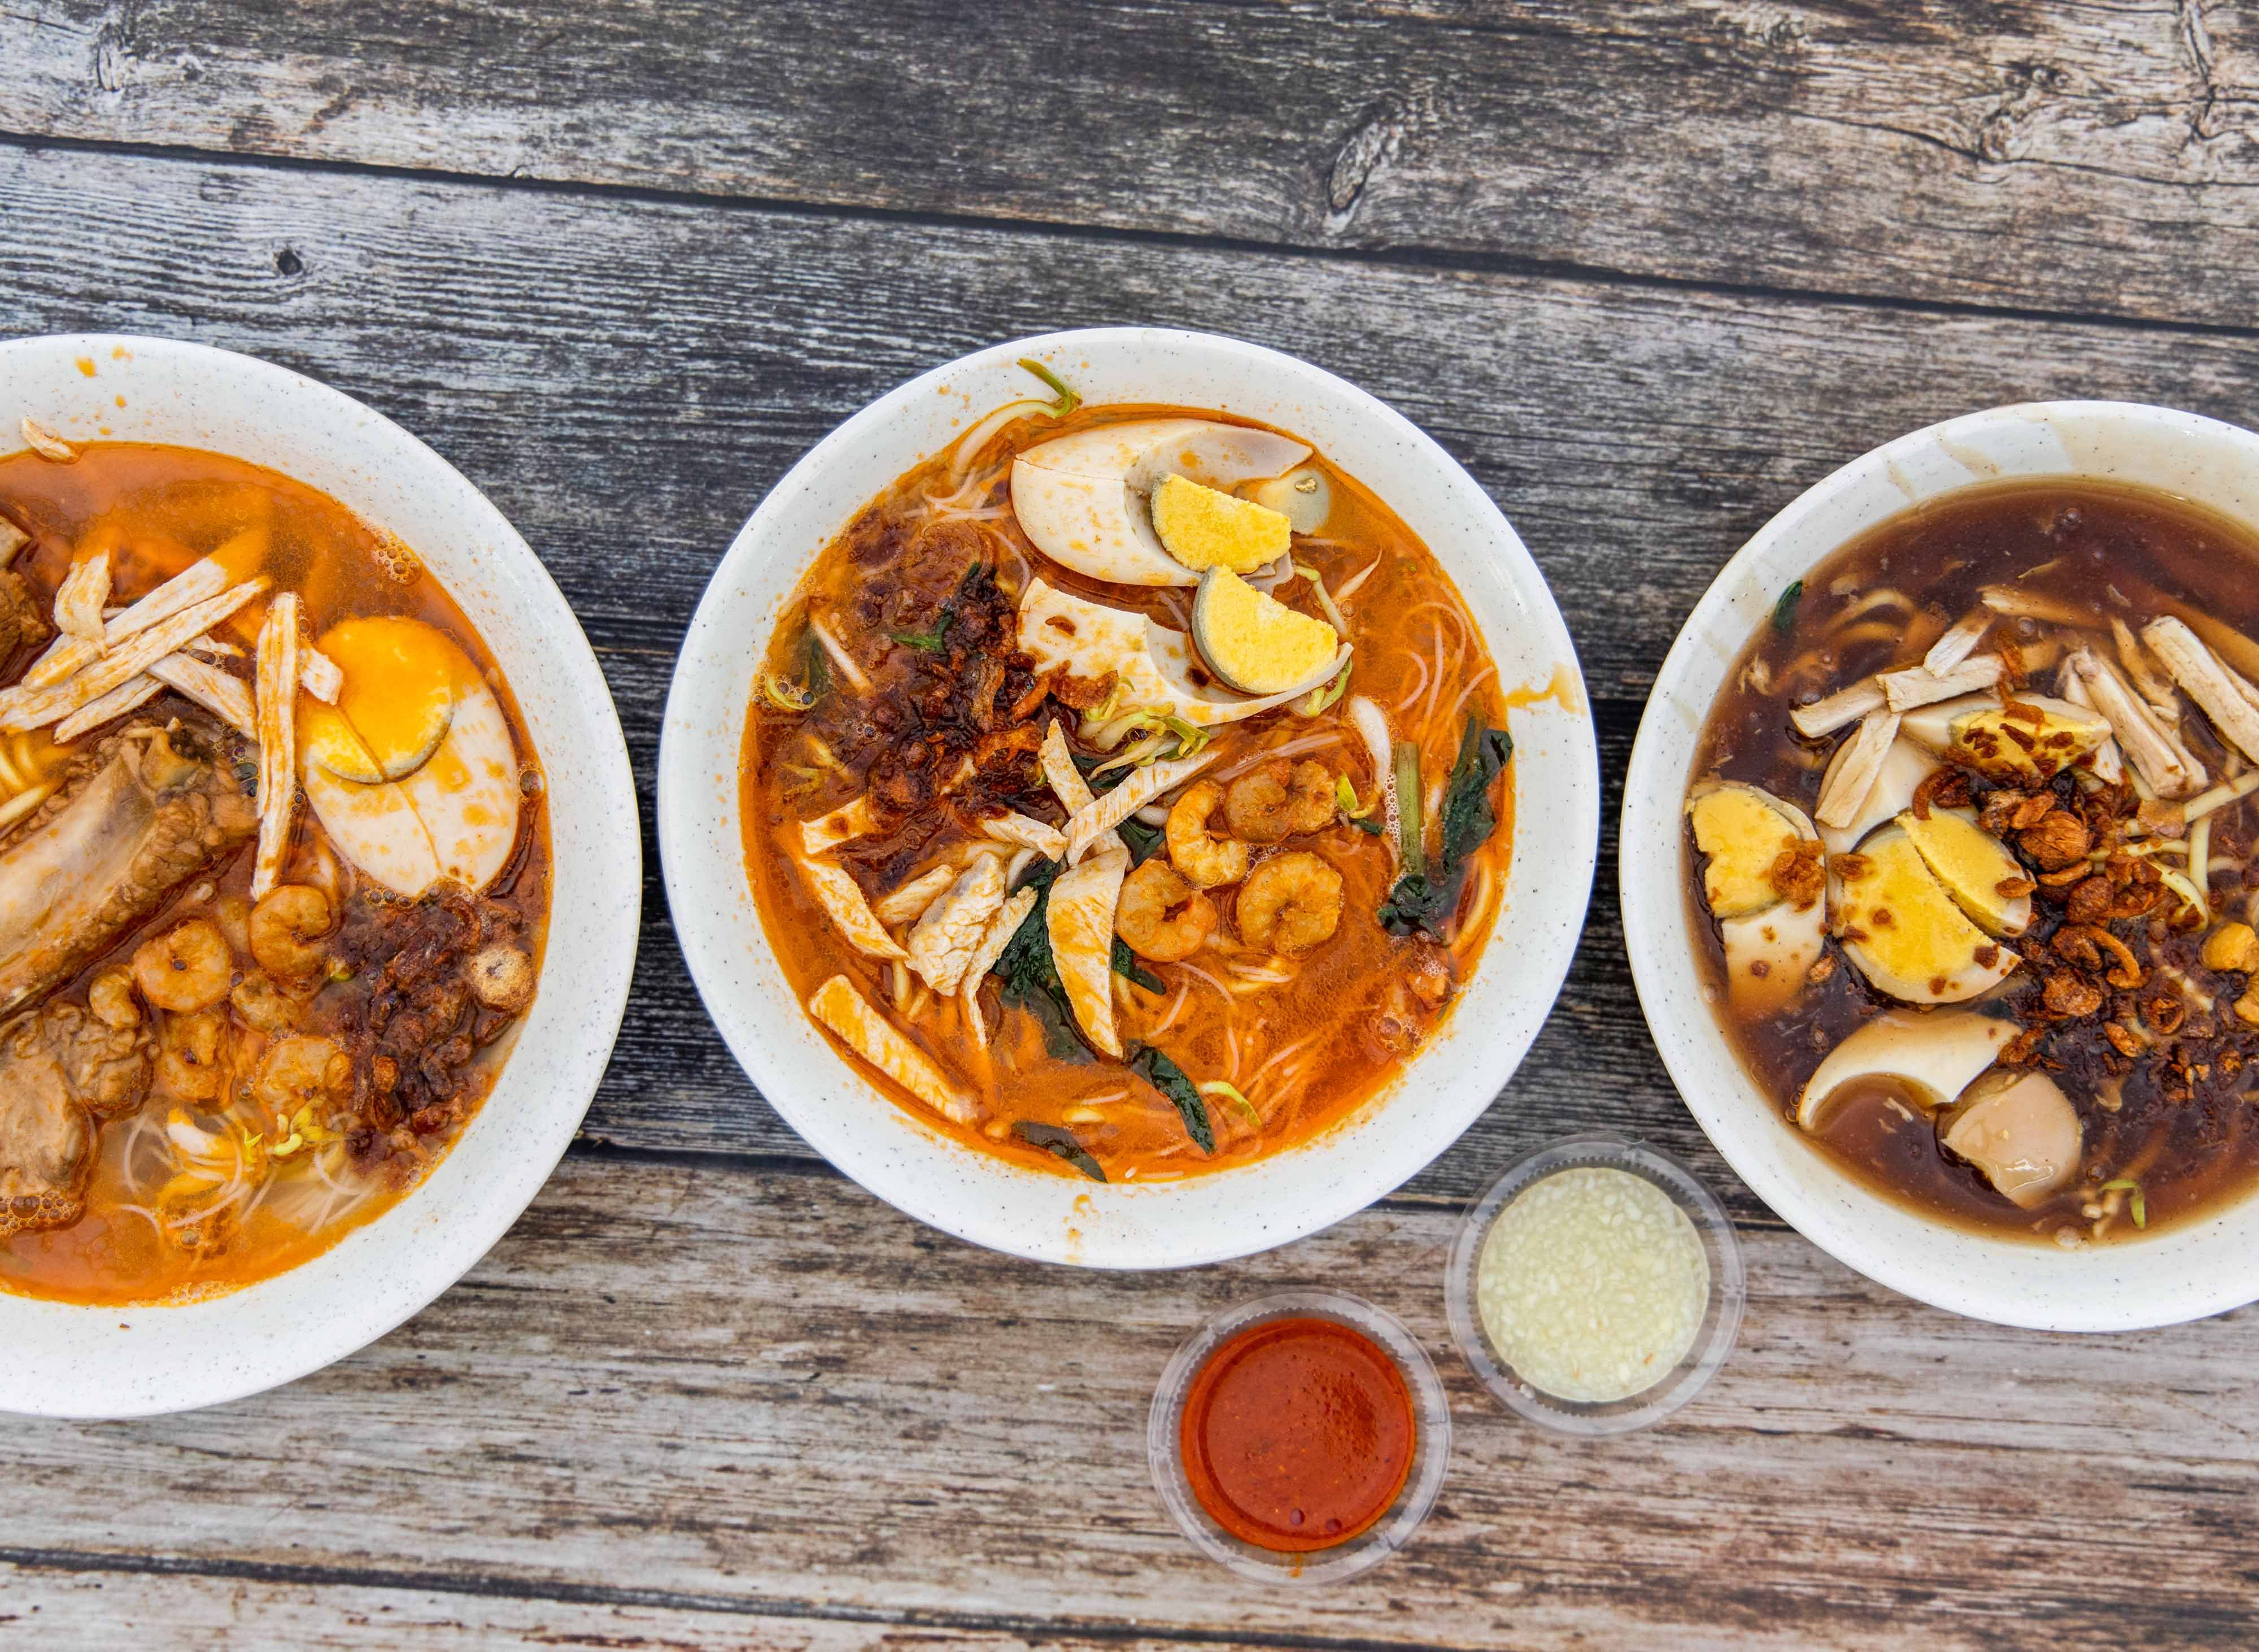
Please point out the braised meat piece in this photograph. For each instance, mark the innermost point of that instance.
(61, 1071)
(151, 807)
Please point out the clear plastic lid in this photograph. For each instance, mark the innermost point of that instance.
(1431, 1450)
(1714, 1337)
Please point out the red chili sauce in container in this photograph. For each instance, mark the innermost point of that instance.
(1299, 1438)
(1298, 1435)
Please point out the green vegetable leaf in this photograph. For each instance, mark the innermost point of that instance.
(1424, 900)
(819, 667)
(1060, 1143)
(1182, 1093)
(1068, 401)
(1142, 839)
(1368, 825)
(1029, 974)
(1783, 611)
(1126, 965)
(930, 642)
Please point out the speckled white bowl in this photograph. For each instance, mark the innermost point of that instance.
(1057, 1218)
(2182, 1273)
(88, 1362)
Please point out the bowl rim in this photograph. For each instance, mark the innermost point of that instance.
(707, 939)
(583, 752)
(1658, 941)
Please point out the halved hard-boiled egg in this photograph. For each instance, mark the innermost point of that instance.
(2021, 1131)
(400, 678)
(447, 803)
(1902, 929)
(1154, 666)
(1761, 876)
(1207, 528)
(1085, 500)
(1976, 868)
(1256, 643)
(1934, 1056)
(2028, 738)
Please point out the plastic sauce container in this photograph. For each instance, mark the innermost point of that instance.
(1596, 1285)
(1299, 1438)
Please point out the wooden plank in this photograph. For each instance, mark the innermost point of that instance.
(626, 377)
(2025, 154)
(677, 1386)
(99, 1609)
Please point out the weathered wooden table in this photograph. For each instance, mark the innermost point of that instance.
(1649, 268)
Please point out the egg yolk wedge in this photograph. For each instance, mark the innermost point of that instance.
(449, 807)
(1254, 642)
(1204, 527)
(401, 682)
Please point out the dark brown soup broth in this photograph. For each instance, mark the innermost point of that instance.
(2178, 1121)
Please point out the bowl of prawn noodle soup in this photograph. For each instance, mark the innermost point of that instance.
(2003, 478)
(166, 435)
(1031, 1204)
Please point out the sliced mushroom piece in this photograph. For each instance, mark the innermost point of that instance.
(1903, 930)
(2164, 764)
(1974, 866)
(2020, 1130)
(2224, 696)
(2016, 741)
(1905, 765)
(1851, 777)
(1933, 1054)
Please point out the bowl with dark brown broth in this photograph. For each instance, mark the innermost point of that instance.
(1128, 799)
(1938, 857)
(312, 939)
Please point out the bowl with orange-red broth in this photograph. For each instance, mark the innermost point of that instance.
(2020, 1129)
(1127, 797)
(191, 1242)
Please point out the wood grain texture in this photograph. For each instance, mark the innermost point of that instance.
(88, 1606)
(678, 1388)
(2085, 157)
(626, 377)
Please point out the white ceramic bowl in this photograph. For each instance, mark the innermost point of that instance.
(106, 1362)
(2183, 1272)
(978, 1196)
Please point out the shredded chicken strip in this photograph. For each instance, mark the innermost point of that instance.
(1854, 776)
(869, 1034)
(1918, 686)
(1958, 643)
(68, 655)
(910, 900)
(21, 708)
(210, 688)
(275, 702)
(2141, 670)
(2159, 758)
(2006, 599)
(1024, 831)
(2219, 691)
(2105, 762)
(1001, 928)
(1066, 781)
(116, 703)
(1839, 710)
(1095, 821)
(79, 602)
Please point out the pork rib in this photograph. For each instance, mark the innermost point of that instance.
(152, 807)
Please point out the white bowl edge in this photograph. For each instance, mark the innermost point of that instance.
(62, 1360)
(2203, 1267)
(983, 1199)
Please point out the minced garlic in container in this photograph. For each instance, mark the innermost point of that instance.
(1592, 1284)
